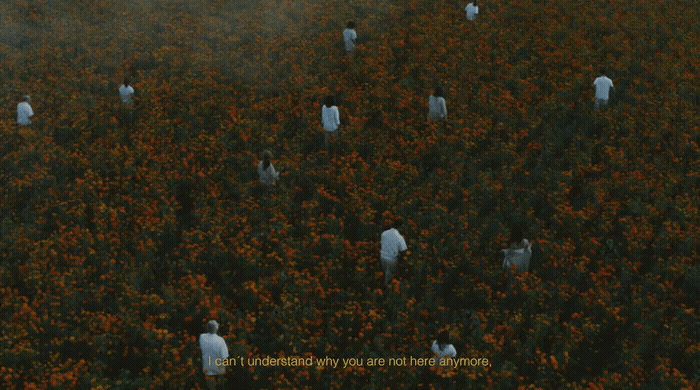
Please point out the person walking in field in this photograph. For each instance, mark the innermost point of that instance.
(25, 112)
(350, 37)
(602, 85)
(392, 247)
(472, 10)
(441, 346)
(437, 108)
(518, 254)
(213, 347)
(267, 173)
(330, 119)
(126, 109)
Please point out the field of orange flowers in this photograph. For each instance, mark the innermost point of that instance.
(117, 244)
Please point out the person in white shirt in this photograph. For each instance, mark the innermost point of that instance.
(126, 92)
(126, 111)
(392, 246)
(330, 118)
(472, 10)
(437, 109)
(25, 112)
(267, 173)
(442, 347)
(519, 253)
(602, 85)
(213, 348)
(350, 37)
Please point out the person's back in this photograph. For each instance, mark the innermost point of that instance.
(518, 255)
(24, 112)
(437, 108)
(266, 172)
(472, 10)
(126, 93)
(350, 36)
(442, 347)
(331, 117)
(391, 246)
(603, 85)
(213, 347)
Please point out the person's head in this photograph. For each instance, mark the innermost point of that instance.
(266, 157)
(212, 326)
(443, 339)
(438, 92)
(329, 101)
(27, 99)
(516, 235)
(602, 71)
(126, 81)
(351, 24)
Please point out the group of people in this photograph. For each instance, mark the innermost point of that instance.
(126, 94)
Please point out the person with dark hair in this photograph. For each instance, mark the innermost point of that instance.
(24, 111)
(437, 109)
(330, 118)
(472, 10)
(126, 94)
(350, 37)
(392, 246)
(442, 347)
(602, 85)
(213, 348)
(519, 253)
(267, 173)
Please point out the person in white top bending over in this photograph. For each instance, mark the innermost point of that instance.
(392, 246)
(442, 347)
(472, 10)
(519, 253)
(602, 85)
(213, 348)
(24, 112)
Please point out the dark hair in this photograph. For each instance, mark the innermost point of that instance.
(266, 156)
(351, 24)
(438, 92)
(602, 71)
(126, 81)
(443, 339)
(329, 101)
(516, 235)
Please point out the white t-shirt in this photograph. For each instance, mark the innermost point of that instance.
(349, 36)
(447, 350)
(24, 112)
(391, 244)
(267, 176)
(437, 109)
(472, 11)
(519, 257)
(213, 347)
(127, 94)
(602, 87)
(330, 117)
